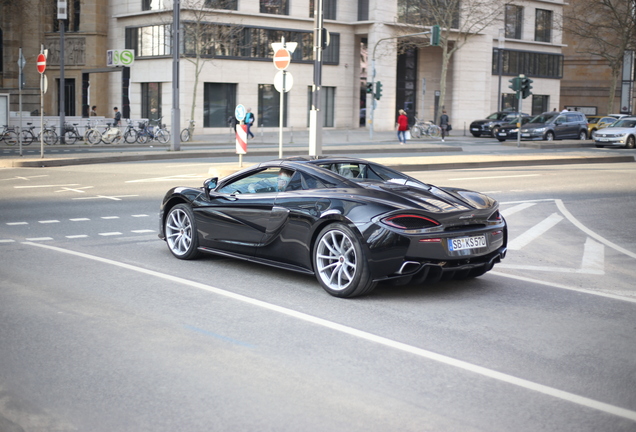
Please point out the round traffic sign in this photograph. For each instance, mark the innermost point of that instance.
(282, 58)
(283, 81)
(240, 112)
(41, 63)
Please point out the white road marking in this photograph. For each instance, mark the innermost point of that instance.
(114, 198)
(515, 209)
(565, 287)
(78, 190)
(496, 177)
(143, 231)
(49, 221)
(34, 239)
(25, 178)
(79, 219)
(535, 232)
(110, 217)
(593, 261)
(7, 241)
(139, 215)
(76, 236)
(167, 178)
(106, 234)
(480, 370)
(17, 223)
(44, 186)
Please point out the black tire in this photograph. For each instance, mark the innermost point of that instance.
(162, 136)
(93, 137)
(340, 264)
(416, 132)
(50, 137)
(582, 135)
(185, 135)
(495, 131)
(181, 232)
(130, 136)
(631, 141)
(549, 136)
(10, 138)
(70, 137)
(27, 137)
(143, 138)
(476, 134)
(600, 146)
(501, 139)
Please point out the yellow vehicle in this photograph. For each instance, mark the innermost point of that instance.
(595, 123)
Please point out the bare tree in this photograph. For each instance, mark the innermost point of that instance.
(459, 20)
(209, 31)
(605, 29)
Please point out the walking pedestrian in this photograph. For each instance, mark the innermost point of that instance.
(444, 123)
(402, 126)
(117, 118)
(249, 121)
(94, 110)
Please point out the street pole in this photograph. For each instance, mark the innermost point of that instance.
(502, 34)
(373, 103)
(315, 113)
(175, 144)
(62, 87)
(20, 84)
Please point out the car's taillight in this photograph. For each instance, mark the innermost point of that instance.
(495, 217)
(410, 222)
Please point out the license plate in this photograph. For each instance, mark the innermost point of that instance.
(463, 243)
(475, 129)
(604, 139)
(525, 135)
(502, 134)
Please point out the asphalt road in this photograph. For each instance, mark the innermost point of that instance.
(103, 330)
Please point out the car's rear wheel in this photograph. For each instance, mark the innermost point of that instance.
(340, 263)
(181, 232)
(495, 131)
(501, 139)
(476, 134)
(630, 142)
(582, 135)
(549, 136)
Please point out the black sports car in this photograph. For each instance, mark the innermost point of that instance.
(350, 222)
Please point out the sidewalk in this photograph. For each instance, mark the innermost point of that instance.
(458, 151)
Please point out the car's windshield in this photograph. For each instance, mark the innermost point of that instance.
(497, 116)
(543, 118)
(593, 120)
(624, 123)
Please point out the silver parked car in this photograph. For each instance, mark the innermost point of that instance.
(622, 133)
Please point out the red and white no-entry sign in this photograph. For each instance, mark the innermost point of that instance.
(282, 58)
(41, 63)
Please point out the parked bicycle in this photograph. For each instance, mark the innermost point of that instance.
(92, 135)
(9, 135)
(150, 132)
(71, 134)
(27, 134)
(48, 134)
(425, 128)
(130, 133)
(188, 133)
(110, 135)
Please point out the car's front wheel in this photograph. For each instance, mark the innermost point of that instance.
(340, 263)
(630, 142)
(582, 135)
(549, 136)
(181, 232)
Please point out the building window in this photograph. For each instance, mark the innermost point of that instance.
(363, 10)
(539, 104)
(406, 96)
(514, 21)
(72, 23)
(328, 9)
(331, 55)
(221, 4)
(219, 102)
(147, 5)
(151, 100)
(327, 104)
(533, 64)
(1, 52)
(419, 12)
(150, 41)
(276, 7)
(509, 102)
(543, 26)
(269, 106)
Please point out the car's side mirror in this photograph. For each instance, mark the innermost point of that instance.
(209, 185)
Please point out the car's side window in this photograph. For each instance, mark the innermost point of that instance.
(260, 182)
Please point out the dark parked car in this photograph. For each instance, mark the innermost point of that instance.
(491, 124)
(622, 133)
(509, 131)
(554, 125)
(350, 222)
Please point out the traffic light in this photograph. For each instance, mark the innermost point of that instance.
(435, 35)
(378, 90)
(526, 86)
(515, 84)
(369, 87)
